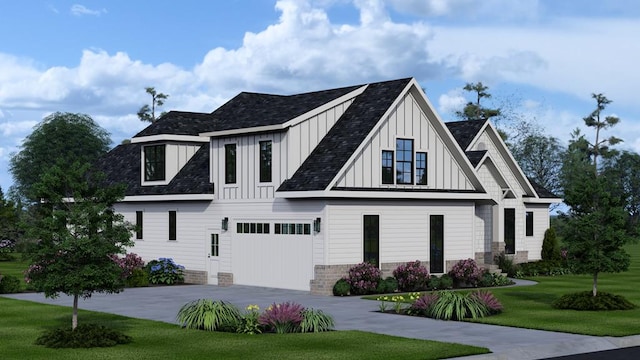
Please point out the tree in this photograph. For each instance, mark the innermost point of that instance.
(627, 166)
(475, 111)
(77, 232)
(148, 113)
(8, 219)
(597, 218)
(68, 136)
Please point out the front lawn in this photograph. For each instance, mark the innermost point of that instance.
(15, 267)
(24, 321)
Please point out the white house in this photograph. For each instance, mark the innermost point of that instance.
(291, 191)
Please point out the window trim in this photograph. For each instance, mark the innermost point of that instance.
(404, 162)
(230, 164)
(148, 166)
(173, 225)
(391, 180)
(265, 165)
(425, 180)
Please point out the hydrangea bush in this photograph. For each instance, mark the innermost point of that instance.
(165, 271)
(466, 272)
(412, 276)
(364, 278)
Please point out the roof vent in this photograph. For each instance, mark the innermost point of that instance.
(482, 146)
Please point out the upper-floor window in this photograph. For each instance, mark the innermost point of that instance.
(154, 163)
(387, 167)
(421, 168)
(230, 164)
(265, 161)
(404, 161)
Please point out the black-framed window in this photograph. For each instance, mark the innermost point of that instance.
(265, 161)
(404, 161)
(172, 225)
(252, 228)
(230, 164)
(529, 223)
(154, 162)
(421, 168)
(371, 239)
(436, 243)
(510, 231)
(387, 167)
(215, 245)
(139, 219)
(292, 229)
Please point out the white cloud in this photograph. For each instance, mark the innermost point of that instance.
(81, 10)
(451, 102)
(13, 128)
(488, 10)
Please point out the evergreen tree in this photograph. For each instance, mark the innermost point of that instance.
(148, 113)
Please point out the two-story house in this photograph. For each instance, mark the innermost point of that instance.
(291, 191)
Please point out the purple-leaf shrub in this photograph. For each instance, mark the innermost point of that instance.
(282, 318)
(412, 276)
(422, 304)
(490, 301)
(466, 271)
(128, 263)
(364, 278)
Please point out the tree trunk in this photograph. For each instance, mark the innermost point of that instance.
(595, 284)
(74, 318)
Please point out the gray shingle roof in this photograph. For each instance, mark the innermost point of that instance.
(475, 156)
(465, 131)
(123, 165)
(333, 151)
(542, 191)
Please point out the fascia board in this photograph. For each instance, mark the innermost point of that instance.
(169, 137)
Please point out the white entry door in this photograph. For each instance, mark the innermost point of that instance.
(213, 257)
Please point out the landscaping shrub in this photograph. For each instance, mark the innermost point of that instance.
(6, 248)
(363, 279)
(445, 282)
(412, 276)
(453, 305)
(138, 278)
(544, 268)
(489, 279)
(84, 336)
(388, 285)
(9, 284)
(128, 263)
(586, 301)
(315, 321)
(165, 271)
(491, 302)
(206, 314)
(282, 318)
(341, 287)
(550, 246)
(422, 305)
(465, 272)
(506, 264)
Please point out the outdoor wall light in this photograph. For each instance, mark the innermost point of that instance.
(316, 225)
(225, 223)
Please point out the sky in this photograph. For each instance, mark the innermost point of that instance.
(541, 59)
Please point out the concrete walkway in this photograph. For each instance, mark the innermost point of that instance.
(349, 313)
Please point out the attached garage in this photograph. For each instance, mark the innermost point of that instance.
(275, 255)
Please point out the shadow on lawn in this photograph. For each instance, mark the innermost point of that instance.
(543, 298)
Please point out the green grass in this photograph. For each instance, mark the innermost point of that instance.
(16, 267)
(24, 321)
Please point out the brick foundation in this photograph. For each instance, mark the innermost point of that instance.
(387, 268)
(195, 277)
(325, 276)
(225, 279)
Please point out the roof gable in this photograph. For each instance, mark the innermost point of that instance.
(465, 131)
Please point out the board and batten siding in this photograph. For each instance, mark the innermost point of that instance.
(407, 121)
(404, 230)
(176, 156)
(192, 218)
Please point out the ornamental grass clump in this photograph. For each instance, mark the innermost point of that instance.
(211, 315)
(466, 272)
(453, 305)
(282, 318)
(412, 276)
(363, 279)
(315, 321)
(423, 304)
(489, 300)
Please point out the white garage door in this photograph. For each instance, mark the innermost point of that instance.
(279, 259)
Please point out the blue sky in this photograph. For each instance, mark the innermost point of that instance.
(541, 59)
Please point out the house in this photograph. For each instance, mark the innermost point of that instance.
(291, 191)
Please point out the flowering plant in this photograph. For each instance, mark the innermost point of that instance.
(249, 323)
(165, 271)
(364, 278)
(466, 271)
(412, 276)
(423, 304)
(128, 263)
(6, 248)
(282, 318)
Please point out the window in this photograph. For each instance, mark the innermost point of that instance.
(371, 239)
(172, 225)
(265, 161)
(421, 168)
(252, 228)
(404, 161)
(138, 225)
(230, 164)
(529, 223)
(154, 157)
(387, 167)
(510, 231)
(292, 229)
(215, 245)
(436, 244)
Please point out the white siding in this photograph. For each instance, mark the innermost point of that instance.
(404, 230)
(406, 121)
(541, 223)
(176, 156)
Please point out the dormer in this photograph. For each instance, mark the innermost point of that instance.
(163, 156)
